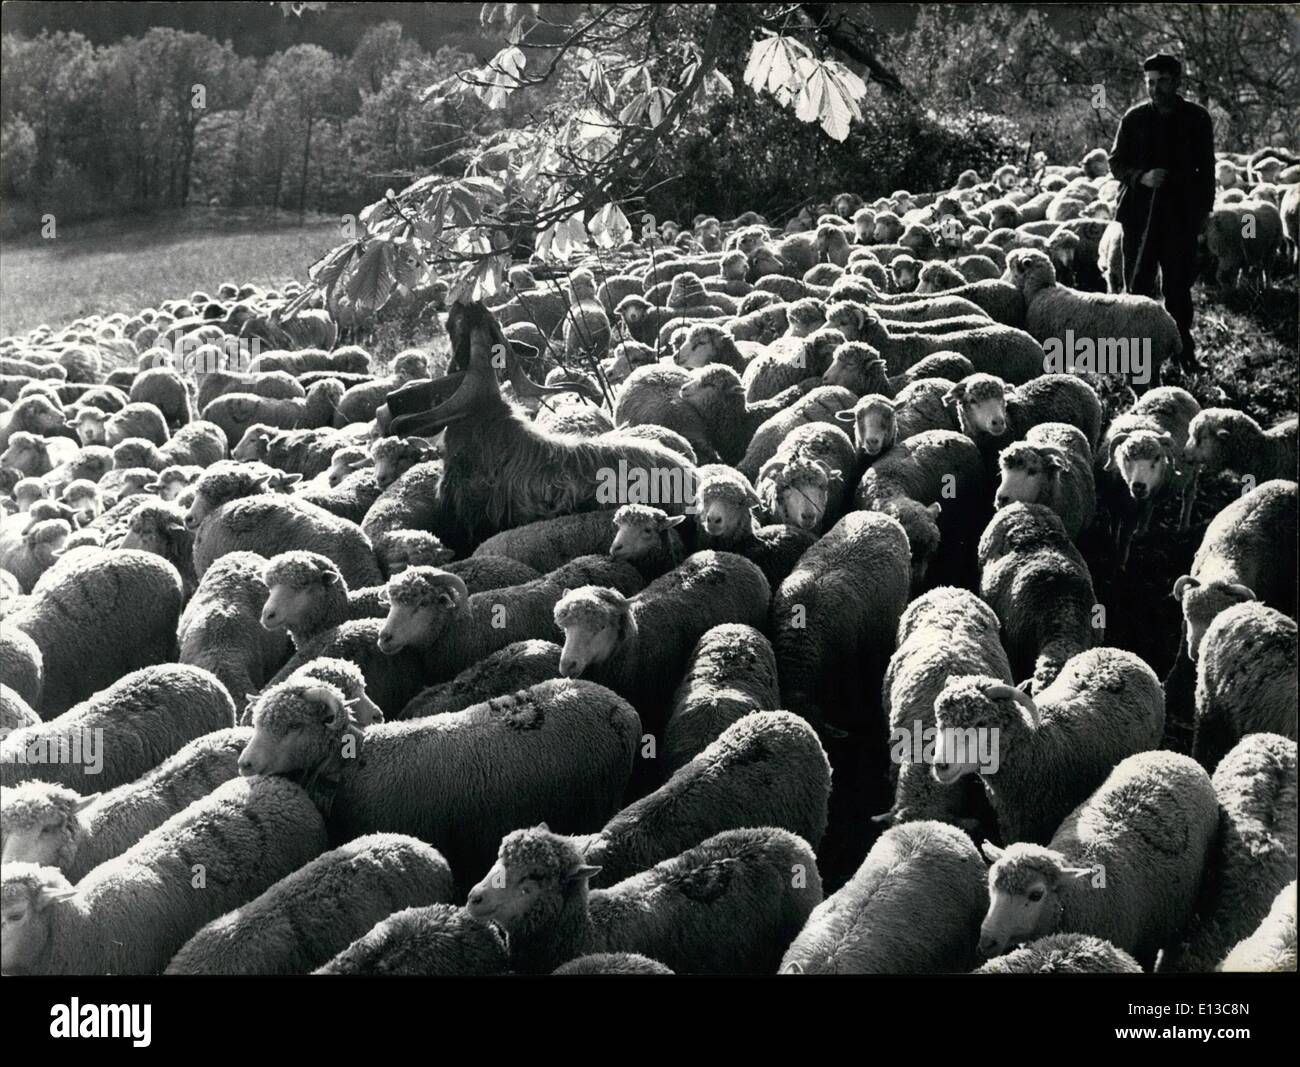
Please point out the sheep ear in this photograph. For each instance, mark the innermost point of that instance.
(1076, 872)
(581, 873)
(176, 527)
(543, 826)
(935, 509)
(151, 487)
(357, 464)
(328, 577)
(447, 600)
(53, 895)
(674, 520)
(991, 851)
(85, 802)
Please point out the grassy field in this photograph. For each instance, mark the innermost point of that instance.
(128, 264)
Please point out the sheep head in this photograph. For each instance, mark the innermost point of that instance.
(40, 823)
(26, 897)
(1029, 474)
(795, 490)
(1030, 270)
(1203, 601)
(1026, 883)
(400, 549)
(302, 590)
(537, 876)
(347, 677)
(858, 367)
(705, 343)
(875, 428)
(847, 316)
(596, 620)
(1144, 459)
(157, 527)
(804, 316)
(981, 403)
(26, 453)
(394, 456)
(422, 602)
(973, 703)
(300, 729)
(641, 530)
(723, 501)
(346, 461)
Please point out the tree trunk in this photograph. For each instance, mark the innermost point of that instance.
(306, 159)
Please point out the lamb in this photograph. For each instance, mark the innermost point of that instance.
(819, 405)
(159, 527)
(680, 912)
(723, 502)
(287, 523)
(1254, 854)
(1142, 451)
(1063, 954)
(767, 769)
(435, 628)
(835, 618)
(640, 646)
(122, 731)
(1054, 750)
(1272, 947)
(562, 748)
(550, 543)
(1052, 466)
(132, 915)
(1245, 679)
(731, 673)
(115, 612)
(219, 629)
(1053, 309)
(1220, 439)
(869, 925)
(305, 919)
(1143, 836)
(1035, 579)
(52, 825)
(435, 940)
(508, 670)
(1238, 560)
(910, 481)
(943, 634)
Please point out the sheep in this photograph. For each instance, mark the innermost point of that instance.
(305, 919)
(219, 629)
(482, 574)
(868, 926)
(136, 420)
(1238, 560)
(276, 385)
(912, 481)
(122, 731)
(759, 319)
(880, 422)
(306, 595)
(350, 500)
(731, 673)
(645, 537)
(707, 342)
(113, 613)
(993, 414)
(287, 523)
(165, 389)
(435, 940)
(1057, 316)
(1034, 578)
(943, 634)
(83, 496)
(344, 676)
(612, 963)
(819, 405)
(1142, 451)
(766, 769)
(235, 413)
(804, 484)
(358, 403)
(231, 480)
(1051, 466)
(625, 358)
(683, 911)
(1063, 954)
(52, 825)
(1245, 679)
(723, 502)
(996, 349)
(400, 549)
(307, 453)
(1254, 854)
(788, 361)
(1000, 300)
(1220, 439)
(35, 548)
(835, 617)
(1142, 838)
(508, 670)
(1243, 237)
(159, 527)
(1272, 947)
(36, 456)
(37, 415)
(640, 646)
(455, 781)
(717, 395)
(550, 543)
(131, 916)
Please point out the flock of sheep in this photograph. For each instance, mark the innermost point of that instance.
(758, 639)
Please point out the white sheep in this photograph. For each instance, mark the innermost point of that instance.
(1051, 466)
(1124, 866)
(435, 940)
(1272, 947)
(130, 916)
(1220, 439)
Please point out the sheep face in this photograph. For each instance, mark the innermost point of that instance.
(27, 492)
(536, 876)
(1025, 887)
(293, 606)
(983, 404)
(1144, 459)
(393, 457)
(595, 621)
(412, 548)
(296, 727)
(904, 271)
(153, 532)
(171, 485)
(874, 424)
(638, 534)
(40, 823)
(1028, 475)
(801, 494)
(422, 601)
(723, 511)
(1204, 447)
(700, 348)
(633, 309)
(27, 894)
(26, 453)
(847, 318)
(254, 446)
(832, 246)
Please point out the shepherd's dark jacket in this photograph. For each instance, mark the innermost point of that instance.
(1189, 157)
